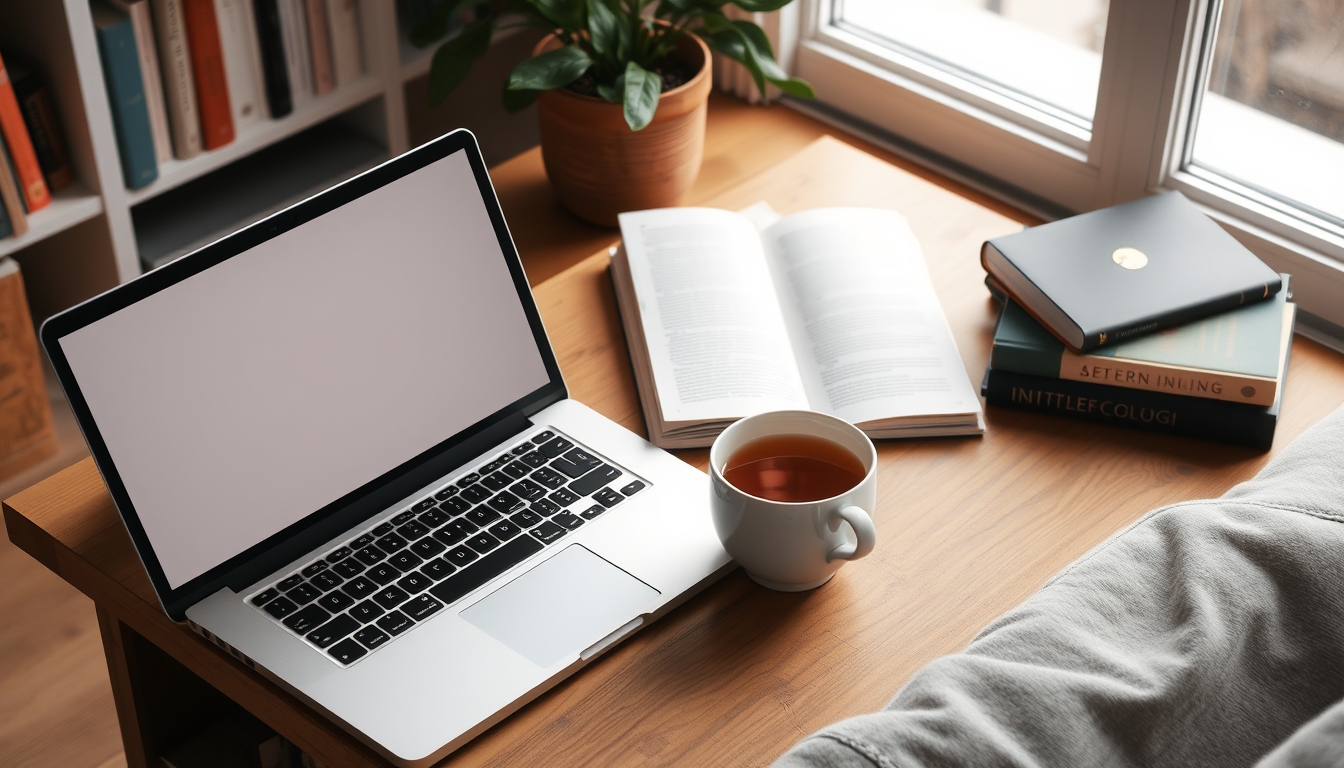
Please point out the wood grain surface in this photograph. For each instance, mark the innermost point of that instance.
(967, 528)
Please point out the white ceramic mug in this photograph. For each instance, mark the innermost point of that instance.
(793, 546)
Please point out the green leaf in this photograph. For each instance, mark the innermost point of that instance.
(517, 101)
(604, 29)
(565, 14)
(642, 88)
(760, 48)
(454, 59)
(731, 43)
(615, 93)
(761, 6)
(554, 69)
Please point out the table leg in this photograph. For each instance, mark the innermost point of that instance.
(120, 667)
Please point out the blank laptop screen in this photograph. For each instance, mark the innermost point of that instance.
(252, 394)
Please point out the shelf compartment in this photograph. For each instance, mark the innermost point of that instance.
(247, 190)
(175, 173)
(73, 205)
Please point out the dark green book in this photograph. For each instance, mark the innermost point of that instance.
(1234, 356)
(1110, 275)
(125, 94)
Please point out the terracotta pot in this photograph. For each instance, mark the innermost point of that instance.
(599, 167)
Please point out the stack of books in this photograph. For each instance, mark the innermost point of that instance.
(185, 76)
(33, 159)
(1193, 341)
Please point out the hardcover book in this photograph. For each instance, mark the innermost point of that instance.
(1110, 275)
(126, 95)
(1233, 356)
(32, 186)
(179, 88)
(832, 310)
(242, 62)
(207, 65)
(43, 130)
(146, 45)
(271, 49)
(10, 197)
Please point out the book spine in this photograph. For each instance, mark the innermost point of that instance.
(254, 52)
(238, 44)
(271, 45)
(146, 46)
(298, 62)
(9, 194)
(6, 229)
(343, 21)
(179, 90)
(40, 118)
(32, 186)
(1247, 425)
(126, 95)
(1097, 337)
(207, 65)
(319, 44)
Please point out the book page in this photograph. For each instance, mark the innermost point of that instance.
(716, 340)
(869, 334)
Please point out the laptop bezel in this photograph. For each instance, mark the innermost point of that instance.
(364, 502)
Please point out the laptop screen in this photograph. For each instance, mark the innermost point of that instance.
(247, 396)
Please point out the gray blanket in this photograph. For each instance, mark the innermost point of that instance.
(1209, 633)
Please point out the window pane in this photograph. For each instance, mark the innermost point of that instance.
(1044, 53)
(1272, 117)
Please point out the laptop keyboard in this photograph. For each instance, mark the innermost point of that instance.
(383, 582)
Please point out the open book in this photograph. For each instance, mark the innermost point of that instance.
(829, 310)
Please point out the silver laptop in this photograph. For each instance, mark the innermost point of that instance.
(344, 451)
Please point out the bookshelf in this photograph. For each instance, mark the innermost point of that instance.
(102, 233)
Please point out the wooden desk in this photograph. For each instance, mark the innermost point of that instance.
(967, 528)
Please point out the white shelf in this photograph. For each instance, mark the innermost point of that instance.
(73, 205)
(175, 173)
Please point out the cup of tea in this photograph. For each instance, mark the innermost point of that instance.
(791, 494)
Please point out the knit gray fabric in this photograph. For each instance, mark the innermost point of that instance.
(1209, 633)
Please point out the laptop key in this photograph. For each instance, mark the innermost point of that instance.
(265, 596)
(543, 437)
(347, 568)
(481, 516)
(414, 583)
(505, 503)
(495, 465)
(633, 488)
(454, 587)
(525, 519)
(455, 532)
(593, 511)
(332, 631)
(371, 637)
(405, 560)
(434, 518)
(427, 548)
(347, 651)
(573, 470)
(547, 532)
(335, 601)
(337, 555)
(383, 573)
(445, 492)
(362, 541)
(360, 587)
(402, 517)
(412, 530)
(370, 555)
(528, 490)
(482, 542)
(460, 556)
(576, 462)
(395, 623)
(504, 530)
(455, 506)
(367, 611)
(289, 583)
(468, 479)
(390, 597)
(475, 494)
(567, 520)
(534, 459)
(437, 568)
(608, 498)
(326, 581)
(383, 529)
(544, 507)
(549, 478)
(496, 481)
(309, 618)
(521, 448)
(304, 593)
(391, 543)
(564, 497)
(594, 480)
(421, 606)
(516, 469)
(281, 607)
(555, 447)
(420, 506)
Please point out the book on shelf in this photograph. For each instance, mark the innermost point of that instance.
(32, 186)
(179, 87)
(271, 48)
(207, 67)
(125, 94)
(319, 46)
(242, 62)
(830, 310)
(1164, 412)
(147, 49)
(1232, 356)
(1106, 276)
(10, 197)
(343, 25)
(39, 116)
(298, 59)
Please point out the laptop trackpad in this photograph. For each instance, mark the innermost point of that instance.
(562, 606)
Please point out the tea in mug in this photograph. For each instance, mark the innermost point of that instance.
(793, 468)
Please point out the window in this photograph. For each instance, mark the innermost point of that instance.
(1072, 105)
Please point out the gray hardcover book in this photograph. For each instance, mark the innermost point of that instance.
(1110, 275)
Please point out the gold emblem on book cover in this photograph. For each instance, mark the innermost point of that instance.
(1130, 258)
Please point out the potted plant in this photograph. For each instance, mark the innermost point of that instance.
(621, 88)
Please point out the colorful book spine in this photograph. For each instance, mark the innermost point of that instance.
(32, 186)
(10, 198)
(179, 88)
(207, 66)
(271, 46)
(1248, 425)
(146, 44)
(6, 229)
(319, 44)
(238, 41)
(45, 132)
(298, 61)
(343, 23)
(126, 95)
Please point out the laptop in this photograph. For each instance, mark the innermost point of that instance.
(344, 451)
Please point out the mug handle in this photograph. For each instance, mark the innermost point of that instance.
(864, 532)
